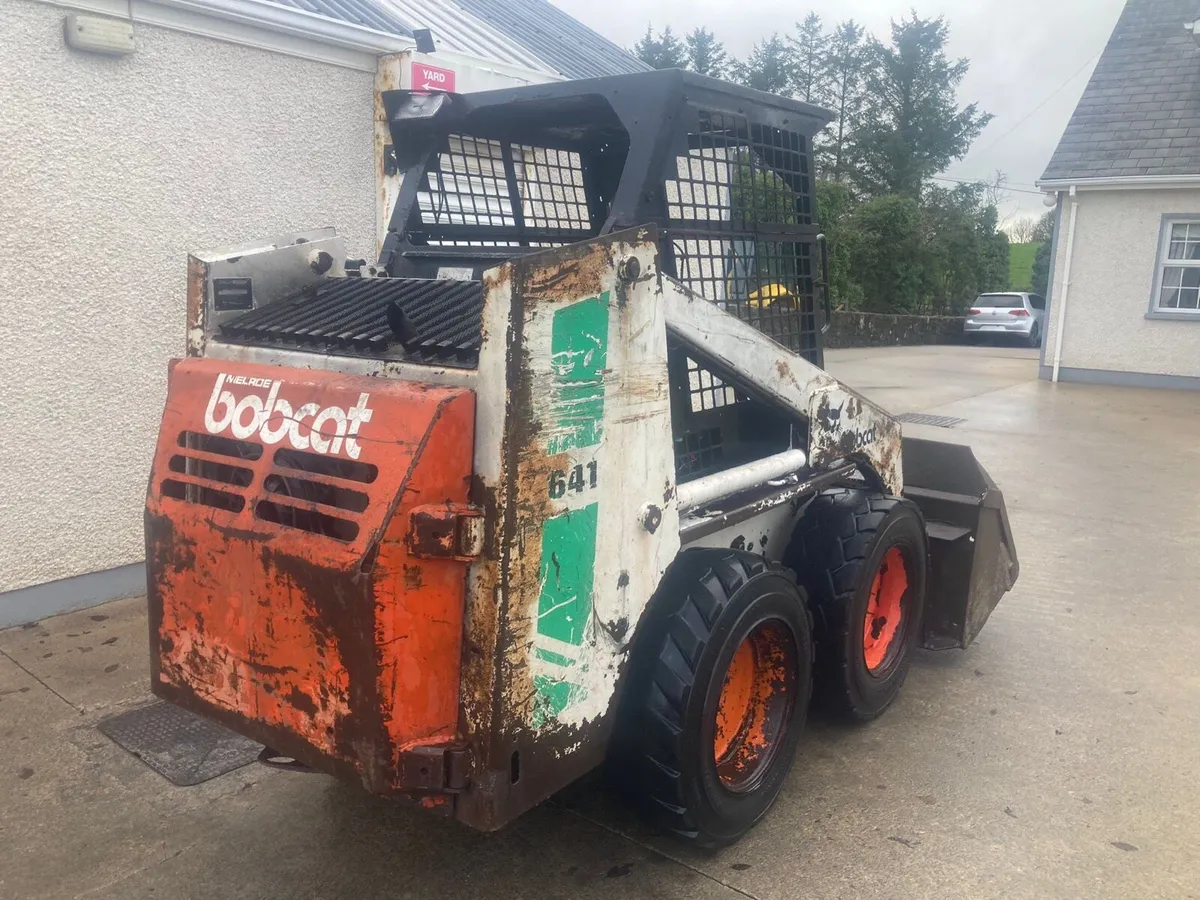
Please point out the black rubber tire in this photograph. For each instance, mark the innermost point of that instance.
(836, 549)
(709, 601)
(1035, 337)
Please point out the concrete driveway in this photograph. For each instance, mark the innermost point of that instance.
(1059, 757)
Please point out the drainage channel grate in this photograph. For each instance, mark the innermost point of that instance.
(182, 747)
(935, 421)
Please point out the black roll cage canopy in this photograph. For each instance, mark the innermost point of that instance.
(723, 171)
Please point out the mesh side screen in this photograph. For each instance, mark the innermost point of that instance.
(706, 390)
(740, 210)
(699, 453)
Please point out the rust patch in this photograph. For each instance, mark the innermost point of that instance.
(578, 275)
(197, 284)
(301, 701)
(440, 531)
(387, 78)
(412, 578)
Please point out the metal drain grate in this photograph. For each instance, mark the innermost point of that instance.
(935, 421)
(182, 747)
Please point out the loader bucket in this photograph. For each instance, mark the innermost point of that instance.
(972, 558)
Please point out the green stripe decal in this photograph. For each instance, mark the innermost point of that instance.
(565, 603)
(579, 355)
(568, 565)
(553, 658)
(575, 420)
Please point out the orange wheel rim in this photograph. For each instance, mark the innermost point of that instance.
(885, 611)
(755, 705)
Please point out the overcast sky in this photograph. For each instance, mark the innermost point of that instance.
(1021, 52)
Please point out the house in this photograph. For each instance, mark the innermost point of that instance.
(135, 131)
(1124, 304)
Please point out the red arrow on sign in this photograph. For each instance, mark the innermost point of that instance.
(431, 78)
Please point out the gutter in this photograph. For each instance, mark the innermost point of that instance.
(255, 15)
(1066, 286)
(297, 22)
(1120, 182)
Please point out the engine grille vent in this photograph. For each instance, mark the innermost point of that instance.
(205, 471)
(408, 318)
(307, 491)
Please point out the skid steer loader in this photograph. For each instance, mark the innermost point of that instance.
(560, 479)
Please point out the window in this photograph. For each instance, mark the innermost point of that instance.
(1178, 288)
(1000, 301)
(1037, 302)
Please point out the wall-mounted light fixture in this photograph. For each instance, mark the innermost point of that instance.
(424, 39)
(97, 34)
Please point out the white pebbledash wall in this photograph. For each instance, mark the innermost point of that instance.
(1112, 276)
(111, 170)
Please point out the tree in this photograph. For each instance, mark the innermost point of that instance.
(994, 267)
(1043, 231)
(809, 62)
(844, 70)
(914, 128)
(768, 68)
(884, 246)
(1041, 269)
(835, 206)
(662, 52)
(705, 54)
(1021, 230)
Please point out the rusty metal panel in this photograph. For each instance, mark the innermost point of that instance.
(284, 600)
(575, 470)
(844, 426)
(389, 76)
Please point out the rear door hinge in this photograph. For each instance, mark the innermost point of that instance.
(439, 768)
(448, 531)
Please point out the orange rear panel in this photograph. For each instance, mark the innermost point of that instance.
(285, 596)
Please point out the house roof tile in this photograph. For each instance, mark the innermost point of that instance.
(1138, 114)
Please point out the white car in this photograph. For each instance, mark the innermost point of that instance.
(1020, 315)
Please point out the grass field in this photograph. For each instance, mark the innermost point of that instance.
(1020, 266)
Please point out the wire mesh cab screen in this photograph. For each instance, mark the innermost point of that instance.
(722, 172)
(739, 208)
(482, 192)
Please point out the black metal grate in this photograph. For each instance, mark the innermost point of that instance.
(439, 321)
(927, 419)
(699, 453)
(741, 225)
(707, 391)
(181, 746)
(484, 193)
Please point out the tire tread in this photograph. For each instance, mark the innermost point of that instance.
(688, 630)
(832, 543)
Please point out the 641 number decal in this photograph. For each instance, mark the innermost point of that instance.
(575, 481)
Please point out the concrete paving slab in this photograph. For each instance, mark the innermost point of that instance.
(313, 838)
(1055, 759)
(84, 818)
(93, 657)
